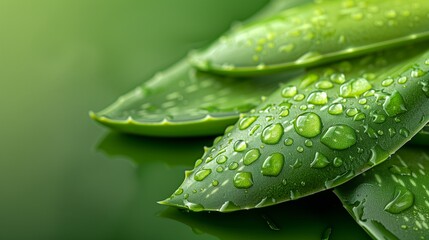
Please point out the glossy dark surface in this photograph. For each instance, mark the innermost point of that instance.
(64, 177)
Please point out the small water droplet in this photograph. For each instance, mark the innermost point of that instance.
(251, 156)
(319, 161)
(308, 143)
(300, 149)
(243, 180)
(254, 129)
(339, 137)
(221, 159)
(215, 183)
(340, 179)
(416, 73)
(324, 85)
(404, 132)
(246, 122)
(355, 88)
(233, 166)
(402, 200)
(202, 174)
(387, 82)
(229, 206)
(336, 109)
(378, 118)
(402, 80)
(299, 97)
(318, 98)
(338, 78)
(198, 163)
(219, 169)
(394, 104)
(359, 117)
(273, 165)
(289, 91)
(352, 112)
(288, 141)
(193, 206)
(272, 134)
(240, 146)
(338, 162)
(308, 125)
(178, 192)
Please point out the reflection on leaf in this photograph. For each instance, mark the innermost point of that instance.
(143, 150)
(314, 217)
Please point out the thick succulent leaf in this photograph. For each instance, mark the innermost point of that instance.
(314, 33)
(391, 201)
(313, 134)
(184, 102)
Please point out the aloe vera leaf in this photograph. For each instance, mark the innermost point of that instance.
(313, 134)
(184, 102)
(316, 33)
(391, 201)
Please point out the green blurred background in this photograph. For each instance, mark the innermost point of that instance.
(64, 177)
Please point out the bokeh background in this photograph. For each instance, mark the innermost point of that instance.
(64, 177)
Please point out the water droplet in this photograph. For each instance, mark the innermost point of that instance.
(243, 180)
(193, 206)
(273, 165)
(387, 82)
(338, 162)
(289, 91)
(394, 104)
(229, 129)
(308, 143)
(339, 137)
(219, 169)
(288, 141)
(378, 155)
(308, 80)
(178, 192)
(338, 78)
(319, 161)
(229, 206)
(198, 163)
(400, 170)
(318, 98)
(221, 159)
(202, 174)
(359, 117)
(404, 132)
(215, 183)
(272, 134)
(362, 101)
(336, 109)
(324, 85)
(352, 112)
(254, 129)
(246, 122)
(355, 88)
(284, 113)
(378, 118)
(300, 149)
(392, 132)
(340, 179)
(402, 80)
(308, 125)
(402, 200)
(299, 97)
(233, 166)
(240, 146)
(251, 156)
(417, 73)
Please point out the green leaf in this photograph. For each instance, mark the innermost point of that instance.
(422, 138)
(314, 133)
(185, 102)
(391, 201)
(315, 33)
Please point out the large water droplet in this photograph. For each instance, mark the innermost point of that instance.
(221, 159)
(339, 137)
(402, 200)
(394, 104)
(272, 134)
(273, 165)
(251, 156)
(202, 174)
(246, 122)
(243, 180)
(318, 98)
(355, 88)
(319, 161)
(308, 125)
